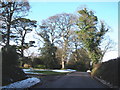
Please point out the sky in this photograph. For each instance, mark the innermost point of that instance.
(105, 11)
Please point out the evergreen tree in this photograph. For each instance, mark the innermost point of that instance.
(90, 35)
(48, 52)
(11, 10)
(22, 27)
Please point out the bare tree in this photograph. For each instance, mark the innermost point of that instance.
(106, 46)
(59, 29)
(51, 25)
(66, 24)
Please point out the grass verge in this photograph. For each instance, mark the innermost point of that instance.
(49, 72)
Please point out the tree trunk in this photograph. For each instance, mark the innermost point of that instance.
(22, 52)
(8, 34)
(22, 43)
(22, 55)
(8, 29)
(63, 64)
(22, 48)
(9, 19)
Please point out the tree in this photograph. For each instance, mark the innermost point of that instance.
(51, 28)
(75, 44)
(60, 28)
(106, 46)
(11, 10)
(37, 61)
(23, 26)
(90, 35)
(59, 53)
(48, 52)
(81, 62)
(66, 25)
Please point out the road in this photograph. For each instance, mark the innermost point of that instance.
(73, 80)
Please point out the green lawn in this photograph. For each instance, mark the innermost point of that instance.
(49, 72)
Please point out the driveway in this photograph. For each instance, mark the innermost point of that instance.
(72, 80)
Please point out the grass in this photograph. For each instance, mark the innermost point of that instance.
(49, 72)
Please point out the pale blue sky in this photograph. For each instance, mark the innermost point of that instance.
(106, 11)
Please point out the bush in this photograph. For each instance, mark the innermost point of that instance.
(10, 70)
(108, 71)
(77, 66)
(9, 56)
(37, 61)
(53, 63)
(27, 66)
(40, 66)
(50, 62)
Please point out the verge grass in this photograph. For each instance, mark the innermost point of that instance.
(49, 72)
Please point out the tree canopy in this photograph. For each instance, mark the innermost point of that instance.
(90, 35)
(11, 10)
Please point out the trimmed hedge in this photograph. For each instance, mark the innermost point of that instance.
(108, 71)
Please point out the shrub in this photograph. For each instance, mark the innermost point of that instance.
(50, 62)
(108, 71)
(10, 70)
(40, 66)
(9, 56)
(80, 66)
(27, 66)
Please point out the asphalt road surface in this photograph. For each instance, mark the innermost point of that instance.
(73, 80)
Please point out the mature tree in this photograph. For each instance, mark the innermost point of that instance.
(59, 53)
(66, 24)
(10, 10)
(90, 35)
(81, 62)
(75, 44)
(48, 52)
(51, 28)
(22, 26)
(59, 27)
(106, 46)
